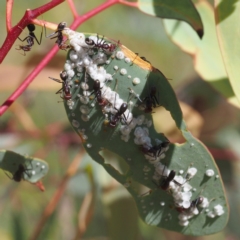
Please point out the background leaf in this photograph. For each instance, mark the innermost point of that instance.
(173, 9)
(206, 53)
(227, 25)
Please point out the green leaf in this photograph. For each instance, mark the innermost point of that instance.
(206, 53)
(35, 168)
(183, 10)
(227, 24)
(91, 122)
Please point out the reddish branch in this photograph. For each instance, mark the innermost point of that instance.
(30, 16)
(13, 33)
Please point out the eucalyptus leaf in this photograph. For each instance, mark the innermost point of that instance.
(23, 167)
(227, 25)
(207, 56)
(102, 77)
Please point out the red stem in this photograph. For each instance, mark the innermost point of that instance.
(73, 8)
(26, 19)
(32, 14)
(9, 7)
(79, 20)
(28, 80)
(131, 4)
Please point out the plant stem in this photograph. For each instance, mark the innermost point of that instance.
(14, 32)
(72, 169)
(73, 8)
(28, 17)
(9, 7)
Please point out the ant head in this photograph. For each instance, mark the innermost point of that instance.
(31, 27)
(123, 107)
(200, 200)
(96, 85)
(171, 175)
(165, 144)
(63, 75)
(89, 41)
(61, 26)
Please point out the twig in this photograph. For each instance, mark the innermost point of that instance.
(9, 7)
(73, 8)
(58, 194)
(26, 19)
(85, 215)
(28, 80)
(131, 4)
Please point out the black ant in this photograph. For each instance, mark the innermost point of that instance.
(30, 39)
(114, 119)
(66, 87)
(98, 94)
(195, 203)
(60, 42)
(165, 184)
(19, 174)
(151, 100)
(100, 44)
(157, 150)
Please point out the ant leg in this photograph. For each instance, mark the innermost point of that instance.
(8, 175)
(50, 35)
(136, 55)
(39, 42)
(155, 101)
(55, 79)
(59, 91)
(23, 40)
(148, 192)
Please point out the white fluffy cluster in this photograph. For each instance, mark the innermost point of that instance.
(82, 57)
(216, 212)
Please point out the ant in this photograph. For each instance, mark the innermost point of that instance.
(98, 94)
(66, 87)
(19, 174)
(58, 34)
(157, 150)
(100, 44)
(165, 184)
(151, 100)
(30, 39)
(195, 203)
(119, 115)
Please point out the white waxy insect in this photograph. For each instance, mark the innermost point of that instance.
(209, 172)
(136, 81)
(75, 123)
(162, 203)
(123, 71)
(120, 55)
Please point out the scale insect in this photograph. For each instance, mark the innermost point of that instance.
(29, 39)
